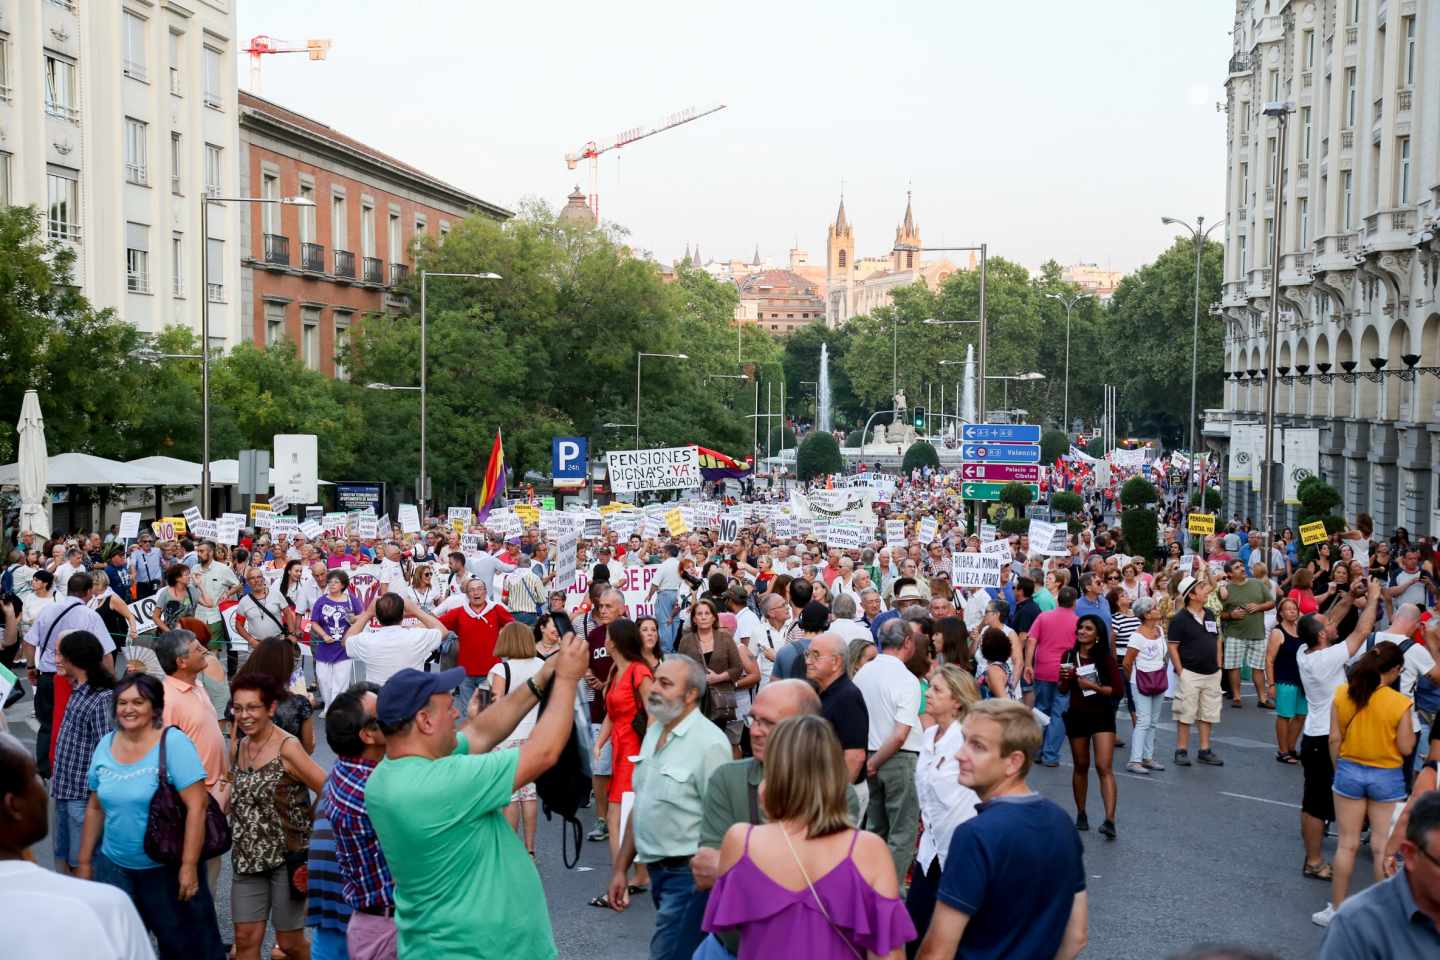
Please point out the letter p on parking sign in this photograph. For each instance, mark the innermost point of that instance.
(568, 456)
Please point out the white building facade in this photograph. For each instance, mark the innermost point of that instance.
(116, 118)
(1358, 343)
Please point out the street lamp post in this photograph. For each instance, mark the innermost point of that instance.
(1069, 303)
(1198, 233)
(638, 358)
(205, 200)
(422, 495)
(1280, 110)
(1033, 375)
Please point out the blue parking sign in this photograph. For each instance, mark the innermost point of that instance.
(568, 457)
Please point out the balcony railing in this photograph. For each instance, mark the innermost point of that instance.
(137, 282)
(277, 249)
(1307, 79)
(62, 111)
(312, 257)
(1379, 108)
(399, 272)
(135, 71)
(212, 100)
(215, 292)
(1347, 139)
(1402, 101)
(1240, 63)
(373, 270)
(344, 264)
(1352, 36)
(1372, 223)
(137, 174)
(1402, 220)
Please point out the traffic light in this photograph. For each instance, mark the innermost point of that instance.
(920, 421)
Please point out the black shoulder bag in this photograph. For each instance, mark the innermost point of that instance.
(165, 825)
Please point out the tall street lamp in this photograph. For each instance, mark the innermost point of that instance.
(638, 358)
(205, 200)
(1280, 110)
(1198, 234)
(423, 494)
(1032, 375)
(1069, 302)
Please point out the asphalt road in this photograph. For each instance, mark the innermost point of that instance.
(1204, 854)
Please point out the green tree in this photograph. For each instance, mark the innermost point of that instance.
(1067, 505)
(1152, 314)
(1054, 444)
(1016, 496)
(1317, 501)
(818, 456)
(920, 454)
(1137, 521)
(1212, 499)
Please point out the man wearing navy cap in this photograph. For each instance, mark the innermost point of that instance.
(463, 880)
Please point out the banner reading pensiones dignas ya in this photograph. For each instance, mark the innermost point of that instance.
(666, 468)
(635, 585)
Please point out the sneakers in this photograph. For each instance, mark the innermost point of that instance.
(1082, 822)
(1208, 757)
(1322, 918)
(1155, 766)
(1182, 758)
(1107, 829)
(601, 832)
(1135, 766)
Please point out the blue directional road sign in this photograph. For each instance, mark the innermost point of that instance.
(568, 457)
(1001, 452)
(1000, 432)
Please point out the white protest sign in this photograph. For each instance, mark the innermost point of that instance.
(895, 533)
(846, 534)
(472, 543)
(996, 548)
(204, 529)
(505, 523)
(729, 528)
(279, 504)
(975, 570)
(409, 518)
(458, 517)
(312, 529)
(229, 530)
(633, 584)
(666, 468)
(192, 515)
(264, 520)
(1048, 539)
(565, 561)
(987, 532)
(383, 526)
(284, 527)
(929, 527)
(129, 526)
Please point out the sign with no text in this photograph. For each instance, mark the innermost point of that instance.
(1200, 524)
(1312, 532)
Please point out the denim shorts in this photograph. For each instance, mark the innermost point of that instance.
(70, 831)
(1356, 781)
(604, 766)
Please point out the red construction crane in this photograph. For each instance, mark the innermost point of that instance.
(262, 45)
(592, 150)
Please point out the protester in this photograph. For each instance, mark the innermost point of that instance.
(1285, 688)
(392, 646)
(518, 663)
(944, 802)
(63, 918)
(892, 701)
(992, 901)
(279, 660)
(626, 692)
(183, 658)
(809, 836)
(331, 617)
(1196, 652)
(89, 715)
(173, 900)
(841, 703)
(1089, 678)
(41, 644)
(462, 876)
(1244, 601)
(1144, 667)
(1052, 633)
(707, 642)
(680, 752)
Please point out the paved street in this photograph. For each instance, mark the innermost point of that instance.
(1203, 854)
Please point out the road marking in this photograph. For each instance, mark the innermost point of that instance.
(1242, 796)
(1245, 743)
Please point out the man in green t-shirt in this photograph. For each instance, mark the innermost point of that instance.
(1243, 602)
(465, 887)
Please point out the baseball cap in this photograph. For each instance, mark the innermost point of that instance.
(406, 693)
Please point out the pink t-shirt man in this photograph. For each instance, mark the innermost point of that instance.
(1054, 633)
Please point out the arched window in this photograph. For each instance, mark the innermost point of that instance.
(842, 258)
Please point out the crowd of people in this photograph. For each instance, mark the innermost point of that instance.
(782, 741)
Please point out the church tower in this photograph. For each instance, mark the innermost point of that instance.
(906, 255)
(839, 267)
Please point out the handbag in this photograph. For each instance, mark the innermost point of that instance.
(165, 824)
(719, 706)
(640, 720)
(1151, 682)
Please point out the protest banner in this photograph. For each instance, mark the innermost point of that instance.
(1049, 539)
(204, 530)
(856, 502)
(129, 526)
(312, 529)
(192, 515)
(505, 523)
(929, 527)
(675, 522)
(229, 526)
(385, 529)
(593, 527)
(633, 584)
(847, 534)
(1312, 532)
(528, 513)
(895, 533)
(409, 518)
(566, 548)
(263, 518)
(163, 529)
(1200, 524)
(651, 527)
(472, 543)
(284, 527)
(729, 528)
(462, 515)
(666, 468)
(975, 570)
(181, 527)
(144, 610)
(997, 548)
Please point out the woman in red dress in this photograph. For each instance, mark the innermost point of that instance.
(625, 693)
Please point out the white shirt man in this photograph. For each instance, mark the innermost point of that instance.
(485, 566)
(391, 647)
(1418, 660)
(67, 918)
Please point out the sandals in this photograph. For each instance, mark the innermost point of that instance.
(635, 888)
(602, 901)
(1285, 756)
(1316, 871)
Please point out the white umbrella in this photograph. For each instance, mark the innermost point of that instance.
(34, 501)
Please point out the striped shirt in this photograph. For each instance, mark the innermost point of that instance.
(1125, 625)
(87, 719)
(366, 875)
(326, 908)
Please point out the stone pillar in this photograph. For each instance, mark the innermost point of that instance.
(1357, 467)
(1415, 480)
(1384, 477)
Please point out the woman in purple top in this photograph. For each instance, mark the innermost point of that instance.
(330, 617)
(808, 877)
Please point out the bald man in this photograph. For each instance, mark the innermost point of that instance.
(732, 797)
(65, 916)
(841, 702)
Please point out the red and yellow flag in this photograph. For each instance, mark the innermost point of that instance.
(492, 486)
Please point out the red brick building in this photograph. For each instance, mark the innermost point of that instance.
(311, 274)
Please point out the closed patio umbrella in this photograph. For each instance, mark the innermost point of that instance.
(34, 501)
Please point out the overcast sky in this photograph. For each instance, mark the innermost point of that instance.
(1046, 129)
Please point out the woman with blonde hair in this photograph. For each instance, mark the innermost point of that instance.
(515, 646)
(944, 803)
(807, 877)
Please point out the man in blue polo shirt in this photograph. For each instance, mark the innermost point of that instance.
(1092, 597)
(992, 902)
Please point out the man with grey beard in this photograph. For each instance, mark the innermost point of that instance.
(681, 750)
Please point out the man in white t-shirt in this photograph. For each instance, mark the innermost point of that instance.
(65, 918)
(392, 647)
(1321, 661)
(844, 625)
(892, 700)
(1419, 661)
